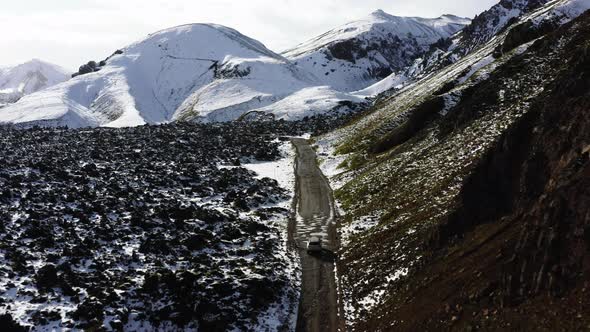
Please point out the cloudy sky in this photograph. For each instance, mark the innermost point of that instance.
(70, 32)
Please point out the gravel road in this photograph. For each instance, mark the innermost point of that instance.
(318, 310)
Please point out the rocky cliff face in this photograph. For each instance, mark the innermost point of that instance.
(483, 28)
(487, 24)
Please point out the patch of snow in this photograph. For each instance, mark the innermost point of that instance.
(284, 311)
(358, 225)
(329, 161)
(397, 275)
(390, 82)
(308, 102)
(281, 170)
(477, 66)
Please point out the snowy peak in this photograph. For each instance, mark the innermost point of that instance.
(446, 24)
(27, 78)
(365, 51)
(215, 41)
(442, 21)
(379, 13)
(202, 72)
(31, 76)
(380, 22)
(455, 18)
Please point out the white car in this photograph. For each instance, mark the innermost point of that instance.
(314, 245)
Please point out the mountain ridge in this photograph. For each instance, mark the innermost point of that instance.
(208, 72)
(362, 52)
(166, 75)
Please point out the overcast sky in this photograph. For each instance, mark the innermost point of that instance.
(70, 32)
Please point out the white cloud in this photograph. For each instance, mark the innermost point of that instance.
(70, 32)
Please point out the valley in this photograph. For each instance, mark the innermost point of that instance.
(391, 174)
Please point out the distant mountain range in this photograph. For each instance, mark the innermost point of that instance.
(208, 72)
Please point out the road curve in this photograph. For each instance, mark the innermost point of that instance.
(318, 308)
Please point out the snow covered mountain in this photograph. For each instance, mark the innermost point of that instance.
(200, 72)
(363, 52)
(208, 72)
(27, 78)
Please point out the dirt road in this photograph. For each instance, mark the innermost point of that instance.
(318, 309)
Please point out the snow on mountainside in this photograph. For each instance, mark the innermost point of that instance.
(485, 27)
(482, 29)
(27, 78)
(193, 72)
(363, 52)
(207, 72)
(489, 23)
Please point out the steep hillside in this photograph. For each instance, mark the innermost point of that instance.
(466, 193)
(27, 78)
(193, 72)
(363, 52)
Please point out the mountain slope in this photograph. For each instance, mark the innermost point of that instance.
(193, 72)
(483, 28)
(361, 53)
(27, 78)
(466, 192)
(448, 51)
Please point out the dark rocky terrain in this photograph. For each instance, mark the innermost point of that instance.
(141, 228)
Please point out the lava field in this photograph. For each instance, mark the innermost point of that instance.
(112, 229)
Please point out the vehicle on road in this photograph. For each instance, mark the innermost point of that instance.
(314, 245)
